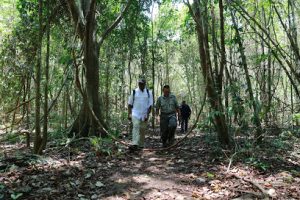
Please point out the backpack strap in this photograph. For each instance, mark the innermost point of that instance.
(133, 95)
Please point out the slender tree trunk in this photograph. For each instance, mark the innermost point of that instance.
(122, 77)
(153, 63)
(28, 85)
(292, 105)
(143, 49)
(107, 85)
(38, 137)
(167, 79)
(46, 114)
(65, 110)
(249, 85)
(129, 69)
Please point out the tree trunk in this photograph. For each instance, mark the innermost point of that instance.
(167, 78)
(214, 99)
(107, 84)
(45, 124)
(251, 95)
(153, 63)
(90, 120)
(38, 137)
(85, 124)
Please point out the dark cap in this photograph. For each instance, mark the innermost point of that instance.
(142, 80)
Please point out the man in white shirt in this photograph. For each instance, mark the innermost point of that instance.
(139, 107)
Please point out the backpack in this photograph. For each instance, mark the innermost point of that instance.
(133, 93)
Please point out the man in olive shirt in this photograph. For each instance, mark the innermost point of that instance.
(168, 106)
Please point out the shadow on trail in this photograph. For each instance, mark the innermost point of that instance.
(195, 169)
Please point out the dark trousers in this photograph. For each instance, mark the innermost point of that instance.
(184, 123)
(168, 125)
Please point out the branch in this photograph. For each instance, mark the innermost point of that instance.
(25, 102)
(77, 17)
(187, 3)
(264, 192)
(277, 46)
(291, 39)
(114, 24)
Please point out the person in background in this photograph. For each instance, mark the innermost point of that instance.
(139, 107)
(168, 106)
(185, 116)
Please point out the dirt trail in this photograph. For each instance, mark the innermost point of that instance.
(195, 170)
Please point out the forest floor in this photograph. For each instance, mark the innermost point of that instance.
(197, 169)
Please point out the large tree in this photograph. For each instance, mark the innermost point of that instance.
(83, 13)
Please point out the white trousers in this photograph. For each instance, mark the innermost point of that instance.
(138, 131)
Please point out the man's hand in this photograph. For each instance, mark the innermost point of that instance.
(129, 112)
(179, 115)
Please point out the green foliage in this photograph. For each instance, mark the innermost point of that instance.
(211, 140)
(16, 195)
(260, 58)
(105, 146)
(102, 146)
(13, 137)
(2, 188)
(278, 143)
(296, 116)
(296, 119)
(58, 134)
(257, 163)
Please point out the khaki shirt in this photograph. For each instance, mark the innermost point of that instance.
(167, 105)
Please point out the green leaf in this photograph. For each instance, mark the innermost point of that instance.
(210, 175)
(16, 195)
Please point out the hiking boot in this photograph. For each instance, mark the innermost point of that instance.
(172, 141)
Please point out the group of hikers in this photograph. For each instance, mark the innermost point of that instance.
(140, 104)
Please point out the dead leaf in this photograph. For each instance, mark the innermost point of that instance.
(272, 192)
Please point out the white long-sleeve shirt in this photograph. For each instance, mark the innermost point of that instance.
(141, 103)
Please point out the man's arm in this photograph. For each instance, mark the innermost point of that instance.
(130, 106)
(129, 111)
(157, 106)
(157, 111)
(150, 103)
(178, 112)
(177, 107)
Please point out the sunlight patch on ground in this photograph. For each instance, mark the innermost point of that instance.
(157, 187)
